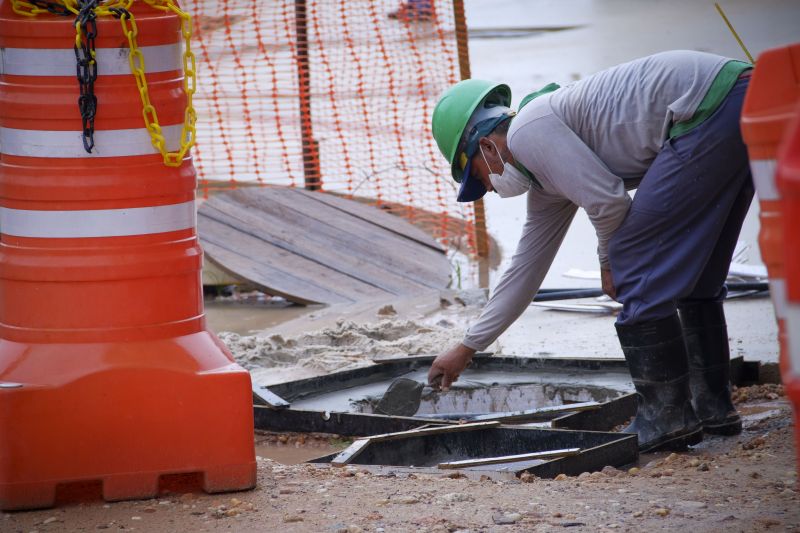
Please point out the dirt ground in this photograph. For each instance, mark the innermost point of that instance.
(744, 483)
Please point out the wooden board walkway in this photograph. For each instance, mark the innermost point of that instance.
(312, 247)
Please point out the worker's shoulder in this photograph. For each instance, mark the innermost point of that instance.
(532, 120)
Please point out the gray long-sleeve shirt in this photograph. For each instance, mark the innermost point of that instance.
(587, 143)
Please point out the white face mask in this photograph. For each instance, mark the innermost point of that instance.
(512, 182)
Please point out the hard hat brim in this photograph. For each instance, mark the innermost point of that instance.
(471, 188)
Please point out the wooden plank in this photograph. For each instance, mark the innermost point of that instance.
(339, 223)
(322, 256)
(481, 461)
(277, 271)
(375, 216)
(264, 396)
(335, 230)
(389, 268)
(350, 453)
(298, 245)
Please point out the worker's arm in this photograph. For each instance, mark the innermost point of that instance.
(546, 224)
(562, 161)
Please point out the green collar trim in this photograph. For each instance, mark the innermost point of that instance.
(550, 87)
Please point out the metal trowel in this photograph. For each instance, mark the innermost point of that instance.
(402, 398)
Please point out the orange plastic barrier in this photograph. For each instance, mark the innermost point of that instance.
(788, 177)
(108, 375)
(768, 108)
(335, 95)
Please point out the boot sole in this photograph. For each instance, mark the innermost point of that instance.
(677, 442)
(727, 428)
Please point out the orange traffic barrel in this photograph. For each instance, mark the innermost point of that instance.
(108, 374)
(788, 179)
(768, 108)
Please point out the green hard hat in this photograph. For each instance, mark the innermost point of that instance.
(455, 109)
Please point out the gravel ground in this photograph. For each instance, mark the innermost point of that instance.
(743, 483)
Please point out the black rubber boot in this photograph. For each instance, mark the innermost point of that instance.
(710, 367)
(657, 360)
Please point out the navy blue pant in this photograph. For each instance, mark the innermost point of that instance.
(678, 238)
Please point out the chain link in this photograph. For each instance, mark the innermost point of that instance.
(188, 131)
(86, 13)
(34, 7)
(86, 67)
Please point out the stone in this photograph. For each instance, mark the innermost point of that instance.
(638, 514)
(408, 500)
(633, 471)
(693, 505)
(662, 511)
(703, 467)
(561, 477)
(502, 519)
(610, 471)
(292, 518)
(454, 497)
(50, 520)
(387, 310)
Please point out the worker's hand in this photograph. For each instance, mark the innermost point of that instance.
(448, 366)
(608, 283)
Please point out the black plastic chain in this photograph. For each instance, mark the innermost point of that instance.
(87, 69)
(119, 12)
(53, 8)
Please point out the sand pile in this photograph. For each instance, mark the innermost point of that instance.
(347, 345)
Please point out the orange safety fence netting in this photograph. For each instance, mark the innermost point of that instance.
(330, 94)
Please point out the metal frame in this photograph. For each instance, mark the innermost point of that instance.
(432, 447)
(273, 411)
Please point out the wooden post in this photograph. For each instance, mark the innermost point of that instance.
(311, 169)
(481, 237)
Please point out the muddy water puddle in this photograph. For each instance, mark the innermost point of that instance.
(296, 448)
(246, 318)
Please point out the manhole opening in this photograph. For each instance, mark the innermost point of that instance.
(501, 398)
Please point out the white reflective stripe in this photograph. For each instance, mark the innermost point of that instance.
(793, 337)
(107, 143)
(110, 61)
(777, 290)
(764, 178)
(98, 222)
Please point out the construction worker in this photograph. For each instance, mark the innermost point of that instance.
(666, 125)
